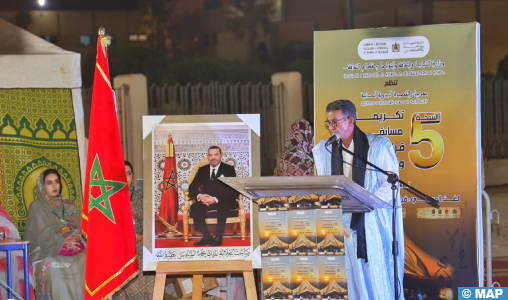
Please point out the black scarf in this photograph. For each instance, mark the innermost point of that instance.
(361, 148)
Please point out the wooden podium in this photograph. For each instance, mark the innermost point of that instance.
(354, 198)
(200, 268)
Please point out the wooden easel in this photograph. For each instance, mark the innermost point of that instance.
(198, 269)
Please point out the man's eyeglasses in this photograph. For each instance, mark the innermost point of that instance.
(334, 122)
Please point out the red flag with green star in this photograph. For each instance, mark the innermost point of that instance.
(107, 217)
(168, 213)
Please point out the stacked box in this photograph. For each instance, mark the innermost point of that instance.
(302, 232)
(332, 277)
(273, 233)
(276, 277)
(330, 201)
(330, 232)
(302, 247)
(305, 277)
(304, 202)
(273, 203)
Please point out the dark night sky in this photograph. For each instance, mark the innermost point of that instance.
(69, 4)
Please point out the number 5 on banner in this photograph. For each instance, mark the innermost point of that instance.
(432, 137)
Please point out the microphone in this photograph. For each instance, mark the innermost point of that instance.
(335, 137)
(433, 201)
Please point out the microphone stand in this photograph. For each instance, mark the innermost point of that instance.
(393, 179)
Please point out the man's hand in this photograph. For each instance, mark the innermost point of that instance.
(207, 199)
(203, 198)
(212, 200)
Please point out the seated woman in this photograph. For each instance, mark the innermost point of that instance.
(140, 287)
(56, 250)
(9, 231)
(297, 160)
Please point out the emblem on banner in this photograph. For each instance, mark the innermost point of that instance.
(395, 47)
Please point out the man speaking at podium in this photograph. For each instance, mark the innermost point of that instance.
(369, 260)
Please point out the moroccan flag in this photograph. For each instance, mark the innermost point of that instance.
(168, 213)
(107, 217)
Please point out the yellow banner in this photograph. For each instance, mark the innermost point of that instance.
(37, 132)
(419, 87)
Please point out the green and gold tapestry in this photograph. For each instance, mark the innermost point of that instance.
(37, 132)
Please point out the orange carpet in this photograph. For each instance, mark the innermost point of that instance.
(499, 271)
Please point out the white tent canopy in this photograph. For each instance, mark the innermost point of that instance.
(27, 61)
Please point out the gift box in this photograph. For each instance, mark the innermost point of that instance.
(182, 287)
(205, 297)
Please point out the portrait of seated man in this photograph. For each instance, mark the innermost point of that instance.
(212, 194)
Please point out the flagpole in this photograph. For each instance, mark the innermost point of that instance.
(107, 216)
(168, 212)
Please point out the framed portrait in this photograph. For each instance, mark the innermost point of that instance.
(189, 214)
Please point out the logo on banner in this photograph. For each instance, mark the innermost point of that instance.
(402, 47)
(483, 293)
